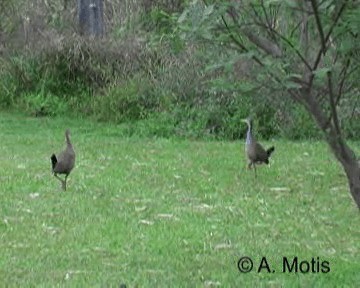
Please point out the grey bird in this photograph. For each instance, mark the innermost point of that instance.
(255, 153)
(65, 161)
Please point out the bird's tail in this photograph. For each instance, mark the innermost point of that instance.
(270, 150)
(53, 161)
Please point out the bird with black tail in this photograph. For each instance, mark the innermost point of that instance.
(64, 162)
(255, 153)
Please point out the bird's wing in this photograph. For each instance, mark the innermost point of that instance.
(260, 152)
(65, 163)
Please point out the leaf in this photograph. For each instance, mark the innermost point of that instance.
(208, 10)
(214, 67)
(321, 72)
(146, 222)
(269, 2)
(245, 86)
(183, 16)
(292, 85)
(280, 189)
(222, 246)
(291, 81)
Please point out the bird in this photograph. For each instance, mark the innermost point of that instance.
(64, 162)
(255, 153)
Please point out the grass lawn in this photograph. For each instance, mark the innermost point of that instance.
(168, 213)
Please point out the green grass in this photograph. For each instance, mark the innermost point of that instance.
(167, 213)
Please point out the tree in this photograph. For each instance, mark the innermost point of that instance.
(90, 16)
(308, 48)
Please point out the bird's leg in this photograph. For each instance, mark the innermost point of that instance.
(61, 180)
(255, 170)
(249, 165)
(63, 183)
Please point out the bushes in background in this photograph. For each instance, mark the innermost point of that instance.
(152, 82)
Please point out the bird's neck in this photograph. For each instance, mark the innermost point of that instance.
(249, 136)
(68, 142)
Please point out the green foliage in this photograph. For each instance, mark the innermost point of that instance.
(160, 124)
(170, 72)
(349, 115)
(129, 101)
(44, 104)
(297, 124)
(243, 32)
(46, 74)
(163, 22)
(8, 86)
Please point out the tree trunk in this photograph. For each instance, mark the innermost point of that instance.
(346, 156)
(343, 153)
(348, 160)
(330, 127)
(353, 174)
(90, 16)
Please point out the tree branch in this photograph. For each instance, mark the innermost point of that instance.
(332, 104)
(264, 44)
(288, 42)
(234, 16)
(267, 18)
(319, 26)
(342, 81)
(319, 55)
(293, 93)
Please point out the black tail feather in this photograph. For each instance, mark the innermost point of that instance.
(270, 150)
(53, 161)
